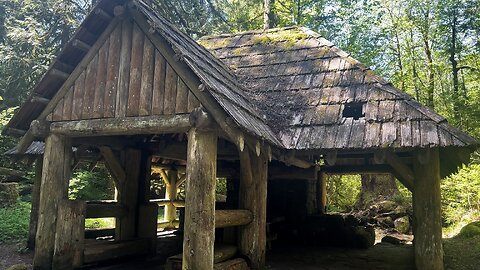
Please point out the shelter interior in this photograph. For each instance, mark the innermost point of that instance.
(134, 93)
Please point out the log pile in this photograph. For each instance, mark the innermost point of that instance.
(387, 215)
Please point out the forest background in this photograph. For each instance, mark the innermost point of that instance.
(427, 48)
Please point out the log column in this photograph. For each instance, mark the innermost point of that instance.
(171, 195)
(253, 197)
(322, 192)
(35, 203)
(127, 195)
(199, 233)
(427, 211)
(54, 187)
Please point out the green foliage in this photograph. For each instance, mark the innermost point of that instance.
(14, 222)
(461, 196)
(342, 192)
(221, 186)
(91, 185)
(99, 223)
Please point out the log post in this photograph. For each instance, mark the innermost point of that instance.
(127, 195)
(322, 192)
(35, 203)
(171, 195)
(69, 238)
(253, 197)
(199, 232)
(311, 201)
(427, 217)
(54, 187)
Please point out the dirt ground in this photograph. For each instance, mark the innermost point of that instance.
(460, 255)
(14, 254)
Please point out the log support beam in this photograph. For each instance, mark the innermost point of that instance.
(427, 219)
(32, 232)
(170, 195)
(253, 197)
(123, 126)
(199, 231)
(56, 173)
(127, 196)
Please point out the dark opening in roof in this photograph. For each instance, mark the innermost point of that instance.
(353, 109)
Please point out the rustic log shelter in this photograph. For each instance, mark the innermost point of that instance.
(258, 107)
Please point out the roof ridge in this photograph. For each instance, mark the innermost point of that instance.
(249, 32)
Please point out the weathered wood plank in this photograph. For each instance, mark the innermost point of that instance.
(171, 78)
(124, 69)
(105, 209)
(78, 70)
(100, 81)
(145, 106)
(158, 84)
(89, 93)
(372, 134)
(343, 135)
(77, 106)
(135, 72)
(69, 238)
(357, 134)
(416, 137)
(199, 230)
(405, 134)
(429, 134)
(113, 64)
(54, 187)
(181, 100)
(68, 104)
(192, 101)
(389, 134)
(58, 111)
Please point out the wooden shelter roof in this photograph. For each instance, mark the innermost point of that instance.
(288, 86)
(310, 89)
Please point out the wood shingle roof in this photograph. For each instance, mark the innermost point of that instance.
(289, 87)
(307, 88)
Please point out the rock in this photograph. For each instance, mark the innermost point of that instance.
(386, 206)
(402, 224)
(18, 267)
(385, 221)
(364, 236)
(392, 240)
(470, 230)
(350, 220)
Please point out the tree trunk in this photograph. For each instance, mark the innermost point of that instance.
(376, 187)
(268, 14)
(454, 63)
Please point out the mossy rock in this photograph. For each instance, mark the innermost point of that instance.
(470, 230)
